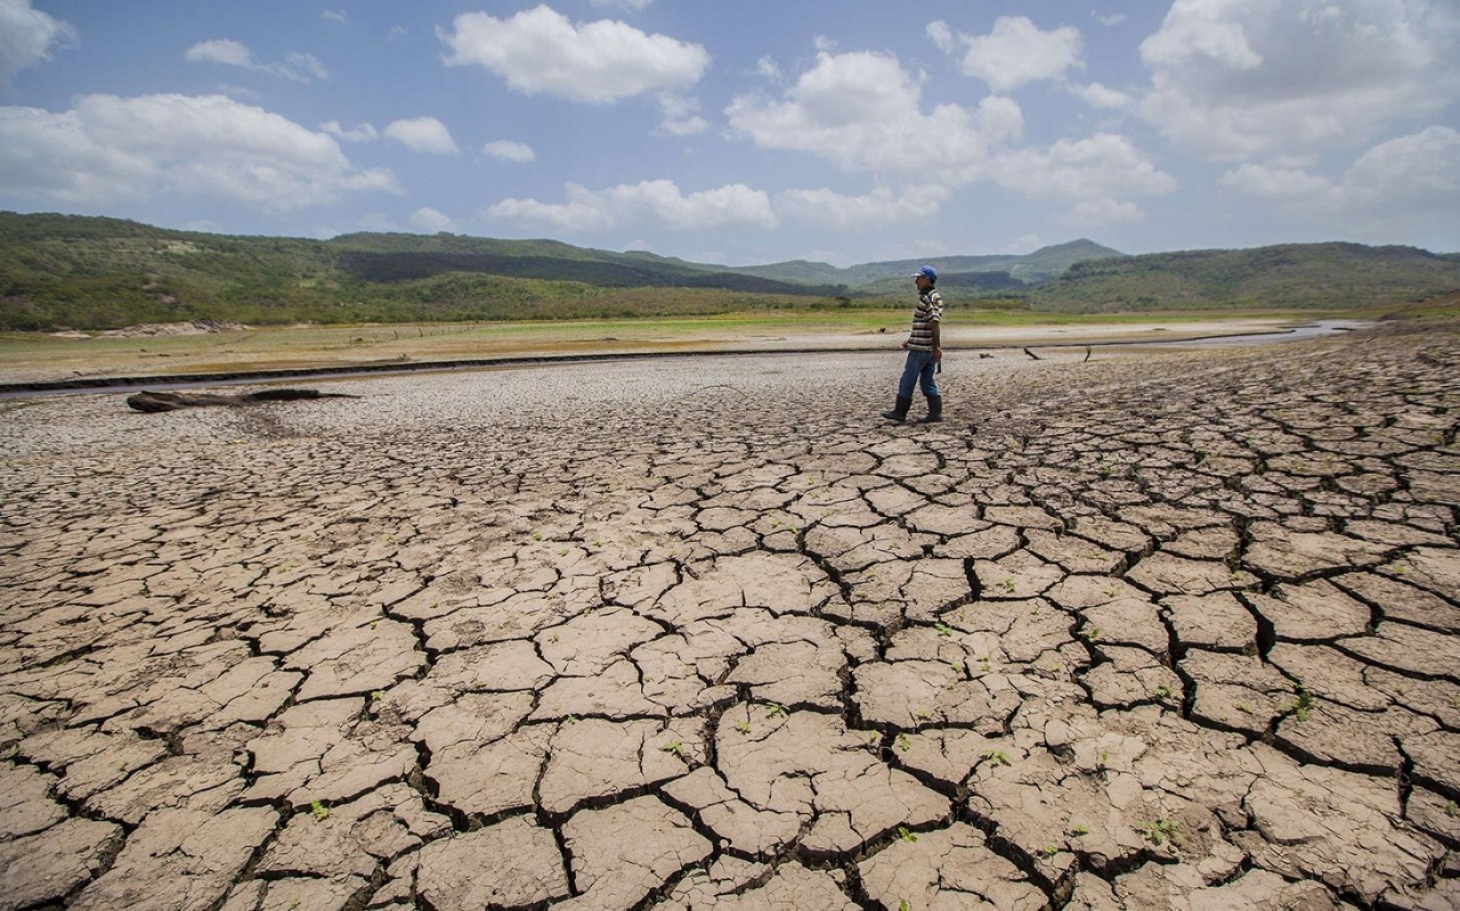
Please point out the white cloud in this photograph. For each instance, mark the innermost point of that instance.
(1098, 166)
(432, 221)
(1251, 78)
(541, 51)
(1411, 176)
(1095, 213)
(1018, 52)
(363, 132)
(1100, 96)
(680, 117)
(422, 134)
(833, 210)
(653, 202)
(631, 5)
(295, 67)
(942, 36)
(108, 148)
(27, 37)
(507, 150)
(767, 68)
(1110, 19)
(336, 15)
(860, 111)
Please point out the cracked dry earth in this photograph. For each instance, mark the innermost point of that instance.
(1163, 630)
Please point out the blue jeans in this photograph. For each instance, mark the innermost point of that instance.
(920, 369)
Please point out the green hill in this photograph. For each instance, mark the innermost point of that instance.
(1327, 276)
(59, 271)
(891, 277)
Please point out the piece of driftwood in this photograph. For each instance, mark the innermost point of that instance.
(153, 402)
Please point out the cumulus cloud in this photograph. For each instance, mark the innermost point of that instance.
(942, 36)
(1100, 96)
(1095, 171)
(429, 220)
(860, 110)
(108, 148)
(27, 37)
(767, 68)
(422, 134)
(1016, 52)
(1408, 176)
(652, 202)
(507, 150)
(829, 209)
(1102, 165)
(361, 133)
(1097, 213)
(540, 51)
(680, 115)
(295, 67)
(1251, 78)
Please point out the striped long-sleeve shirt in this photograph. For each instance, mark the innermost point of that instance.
(929, 311)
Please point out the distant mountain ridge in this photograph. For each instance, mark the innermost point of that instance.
(62, 271)
(1044, 263)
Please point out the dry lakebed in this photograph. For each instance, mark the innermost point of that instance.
(1167, 628)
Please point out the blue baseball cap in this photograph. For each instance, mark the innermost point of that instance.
(929, 272)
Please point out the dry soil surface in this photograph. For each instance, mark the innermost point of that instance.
(1163, 630)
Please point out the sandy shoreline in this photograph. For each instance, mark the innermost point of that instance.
(1180, 627)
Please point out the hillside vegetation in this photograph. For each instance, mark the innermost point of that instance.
(1332, 276)
(72, 272)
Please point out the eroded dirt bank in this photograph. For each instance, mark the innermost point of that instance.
(1164, 630)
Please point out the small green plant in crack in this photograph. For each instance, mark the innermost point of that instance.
(943, 629)
(776, 710)
(1090, 634)
(957, 666)
(902, 905)
(1049, 850)
(906, 834)
(1079, 830)
(537, 536)
(923, 715)
(376, 695)
(1103, 763)
(1161, 831)
(743, 727)
(1163, 691)
(1302, 707)
(320, 811)
(1244, 708)
(571, 719)
(903, 743)
(675, 748)
(1008, 585)
(997, 758)
(1452, 808)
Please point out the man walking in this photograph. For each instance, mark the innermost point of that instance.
(924, 349)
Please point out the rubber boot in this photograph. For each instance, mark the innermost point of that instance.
(899, 411)
(935, 410)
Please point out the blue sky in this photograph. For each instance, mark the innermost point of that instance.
(745, 132)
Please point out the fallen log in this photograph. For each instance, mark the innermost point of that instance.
(154, 402)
